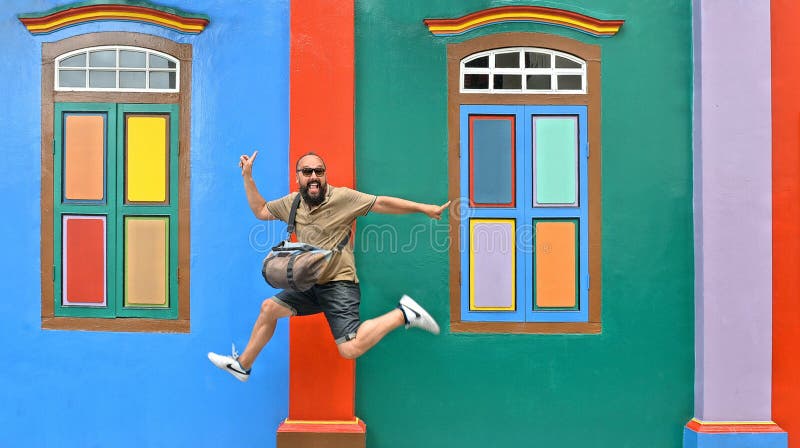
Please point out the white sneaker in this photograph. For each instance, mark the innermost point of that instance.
(230, 364)
(416, 316)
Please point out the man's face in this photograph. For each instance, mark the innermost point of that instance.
(311, 177)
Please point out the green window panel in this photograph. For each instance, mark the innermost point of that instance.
(129, 247)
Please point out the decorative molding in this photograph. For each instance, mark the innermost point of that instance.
(338, 433)
(103, 10)
(354, 421)
(355, 426)
(535, 14)
(700, 426)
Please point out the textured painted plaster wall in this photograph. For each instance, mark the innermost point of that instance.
(734, 182)
(62, 388)
(630, 386)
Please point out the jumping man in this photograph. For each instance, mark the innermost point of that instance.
(324, 218)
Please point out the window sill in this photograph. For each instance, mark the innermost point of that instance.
(527, 327)
(132, 325)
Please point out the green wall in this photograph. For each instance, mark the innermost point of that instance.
(630, 386)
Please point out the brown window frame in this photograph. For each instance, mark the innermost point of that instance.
(182, 52)
(591, 99)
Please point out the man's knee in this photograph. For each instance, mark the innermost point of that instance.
(272, 309)
(350, 349)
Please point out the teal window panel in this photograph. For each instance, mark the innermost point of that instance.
(555, 156)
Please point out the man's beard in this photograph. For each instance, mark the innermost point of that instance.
(314, 201)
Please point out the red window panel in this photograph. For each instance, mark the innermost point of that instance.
(84, 252)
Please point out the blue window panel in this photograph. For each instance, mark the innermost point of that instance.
(509, 212)
(492, 160)
(580, 213)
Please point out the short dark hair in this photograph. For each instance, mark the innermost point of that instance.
(310, 153)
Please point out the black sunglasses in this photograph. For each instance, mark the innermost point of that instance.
(307, 171)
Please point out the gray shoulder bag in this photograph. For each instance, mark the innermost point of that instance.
(297, 266)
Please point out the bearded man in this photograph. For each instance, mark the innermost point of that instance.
(324, 219)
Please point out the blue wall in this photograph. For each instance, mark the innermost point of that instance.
(68, 388)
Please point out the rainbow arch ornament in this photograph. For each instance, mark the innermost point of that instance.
(534, 14)
(108, 10)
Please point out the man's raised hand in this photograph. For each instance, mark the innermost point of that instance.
(246, 163)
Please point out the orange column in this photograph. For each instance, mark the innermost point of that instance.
(321, 383)
(785, 217)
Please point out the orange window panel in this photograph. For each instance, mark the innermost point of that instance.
(555, 264)
(84, 157)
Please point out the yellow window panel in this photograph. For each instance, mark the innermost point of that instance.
(146, 158)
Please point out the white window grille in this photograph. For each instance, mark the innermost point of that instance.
(117, 68)
(523, 70)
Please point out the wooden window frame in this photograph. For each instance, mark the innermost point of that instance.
(456, 52)
(181, 52)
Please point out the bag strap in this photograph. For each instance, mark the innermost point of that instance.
(290, 272)
(293, 214)
(344, 242)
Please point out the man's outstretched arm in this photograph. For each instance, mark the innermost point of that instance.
(398, 206)
(254, 199)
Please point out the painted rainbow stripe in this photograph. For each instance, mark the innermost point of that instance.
(537, 14)
(128, 10)
(729, 427)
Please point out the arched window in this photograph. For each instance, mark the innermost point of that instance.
(117, 68)
(524, 111)
(115, 183)
(523, 70)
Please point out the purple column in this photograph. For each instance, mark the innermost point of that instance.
(733, 226)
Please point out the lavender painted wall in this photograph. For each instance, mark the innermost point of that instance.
(733, 269)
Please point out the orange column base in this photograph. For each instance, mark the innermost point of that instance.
(322, 434)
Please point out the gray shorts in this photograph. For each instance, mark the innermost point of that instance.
(339, 300)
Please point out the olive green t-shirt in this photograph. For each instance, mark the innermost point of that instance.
(327, 224)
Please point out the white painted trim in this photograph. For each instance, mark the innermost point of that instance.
(522, 71)
(117, 69)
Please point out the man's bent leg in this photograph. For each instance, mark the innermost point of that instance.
(370, 332)
(263, 330)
